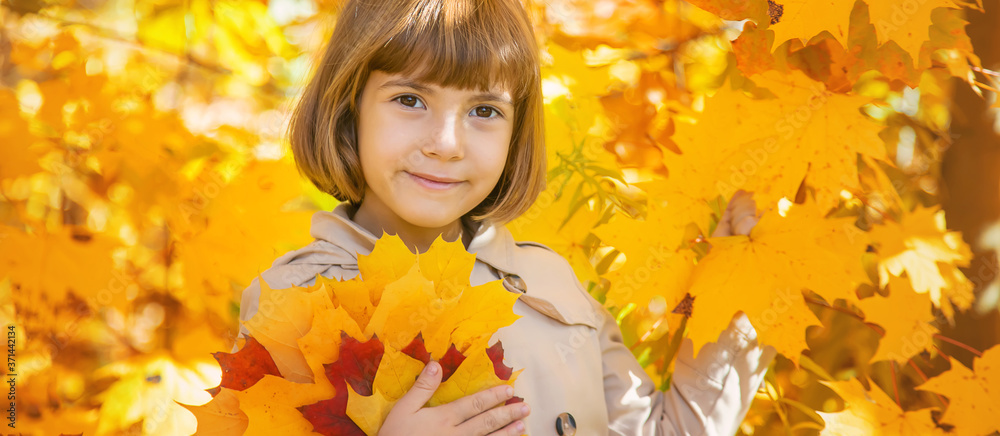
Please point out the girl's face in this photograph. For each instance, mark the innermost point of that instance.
(411, 134)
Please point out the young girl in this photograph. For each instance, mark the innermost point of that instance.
(425, 118)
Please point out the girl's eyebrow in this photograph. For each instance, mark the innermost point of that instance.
(409, 83)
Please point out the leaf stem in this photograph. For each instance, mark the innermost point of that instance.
(958, 344)
(895, 386)
(946, 356)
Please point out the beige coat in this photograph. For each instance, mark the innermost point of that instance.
(568, 344)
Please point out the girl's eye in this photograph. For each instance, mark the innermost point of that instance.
(485, 111)
(409, 100)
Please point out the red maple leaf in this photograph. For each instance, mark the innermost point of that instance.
(417, 350)
(356, 366)
(502, 371)
(246, 367)
(329, 417)
(449, 362)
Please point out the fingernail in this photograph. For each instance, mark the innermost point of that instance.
(432, 368)
(509, 391)
(520, 426)
(525, 409)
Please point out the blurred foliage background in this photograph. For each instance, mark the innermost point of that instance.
(145, 180)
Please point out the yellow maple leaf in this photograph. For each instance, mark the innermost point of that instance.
(478, 312)
(368, 412)
(657, 262)
(921, 247)
(906, 22)
(474, 374)
(974, 400)
(355, 297)
(321, 345)
(906, 317)
(769, 145)
(271, 405)
(804, 19)
(396, 373)
(447, 310)
(221, 416)
(389, 261)
(283, 316)
(873, 412)
(763, 274)
(447, 266)
(948, 33)
(411, 295)
(675, 206)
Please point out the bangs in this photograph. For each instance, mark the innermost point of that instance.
(466, 44)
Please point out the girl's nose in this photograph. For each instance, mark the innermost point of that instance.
(447, 142)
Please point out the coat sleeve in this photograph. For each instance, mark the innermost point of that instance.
(709, 395)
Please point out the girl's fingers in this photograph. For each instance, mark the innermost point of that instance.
(740, 194)
(729, 205)
(723, 228)
(744, 225)
(741, 205)
(471, 406)
(422, 389)
(496, 419)
(515, 428)
(743, 210)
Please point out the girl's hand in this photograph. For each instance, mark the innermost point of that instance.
(740, 216)
(470, 415)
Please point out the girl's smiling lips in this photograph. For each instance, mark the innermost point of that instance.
(433, 182)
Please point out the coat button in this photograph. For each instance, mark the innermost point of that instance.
(565, 424)
(515, 283)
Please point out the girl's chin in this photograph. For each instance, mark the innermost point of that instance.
(430, 216)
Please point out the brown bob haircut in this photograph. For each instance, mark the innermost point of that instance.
(466, 44)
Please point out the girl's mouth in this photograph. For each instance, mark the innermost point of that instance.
(431, 184)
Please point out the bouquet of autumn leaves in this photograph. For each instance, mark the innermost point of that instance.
(333, 358)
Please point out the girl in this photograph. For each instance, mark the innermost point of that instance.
(425, 119)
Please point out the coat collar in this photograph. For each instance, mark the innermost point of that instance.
(492, 244)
